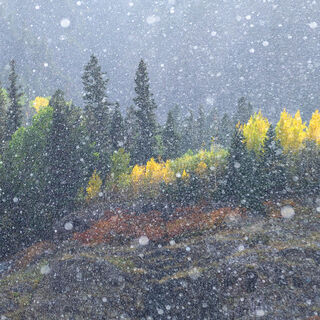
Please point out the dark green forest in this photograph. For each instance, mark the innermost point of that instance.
(59, 157)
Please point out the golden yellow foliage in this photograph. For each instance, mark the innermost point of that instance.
(94, 187)
(137, 174)
(153, 174)
(39, 102)
(313, 131)
(185, 175)
(201, 169)
(291, 132)
(255, 132)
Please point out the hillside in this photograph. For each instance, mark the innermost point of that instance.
(244, 268)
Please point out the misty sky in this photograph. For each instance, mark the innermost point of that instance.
(198, 52)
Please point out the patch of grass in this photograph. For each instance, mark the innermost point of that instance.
(183, 274)
(30, 276)
(66, 256)
(124, 264)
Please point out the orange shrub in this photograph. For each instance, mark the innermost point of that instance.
(125, 226)
(31, 253)
(274, 210)
(197, 220)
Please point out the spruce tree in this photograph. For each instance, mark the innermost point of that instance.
(200, 129)
(255, 183)
(238, 170)
(170, 138)
(131, 130)
(243, 112)
(308, 170)
(188, 133)
(3, 116)
(225, 131)
(14, 112)
(146, 142)
(59, 156)
(117, 129)
(212, 126)
(274, 172)
(178, 118)
(97, 106)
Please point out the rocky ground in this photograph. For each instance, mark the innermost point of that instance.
(248, 268)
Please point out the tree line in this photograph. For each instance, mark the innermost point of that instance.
(68, 155)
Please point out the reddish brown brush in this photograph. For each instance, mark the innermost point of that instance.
(274, 210)
(124, 226)
(31, 253)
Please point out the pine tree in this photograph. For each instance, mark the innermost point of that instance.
(130, 126)
(97, 106)
(225, 131)
(188, 133)
(243, 112)
(3, 115)
(255, 183)
(14, 112)
(274, 171)
(170, 138)
(237, 169)
(212, 126)
(178, 117)
(200, 129)
(117, 129)
(308, 170)
(60, 168)
(146, 142)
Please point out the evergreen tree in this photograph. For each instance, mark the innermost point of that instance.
(146, 142)
(170, 138)
(245, 184)
(117, 129)
(225, 131)
(211, 126)
(200, 129)
(64, 166)
(178, 118)
(308, 170)
(243, 112)
(3, 115)
(188, 133)
(14, 112)
(97, 106)
(237, 169)
(131, 130)
(255, 183)
(274, 171)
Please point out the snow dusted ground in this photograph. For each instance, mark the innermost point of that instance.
(247, 269)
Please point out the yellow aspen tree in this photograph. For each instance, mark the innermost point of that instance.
(94, 187)
(291, 132)
(39, 102)
(255, 132)
(313, 131)
(185, 175)
(201, 169)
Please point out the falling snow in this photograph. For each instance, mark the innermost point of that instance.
(114, 207)
(287, 212)
(153, 19)
(68, 226)
(65, 23)
(313, 25)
